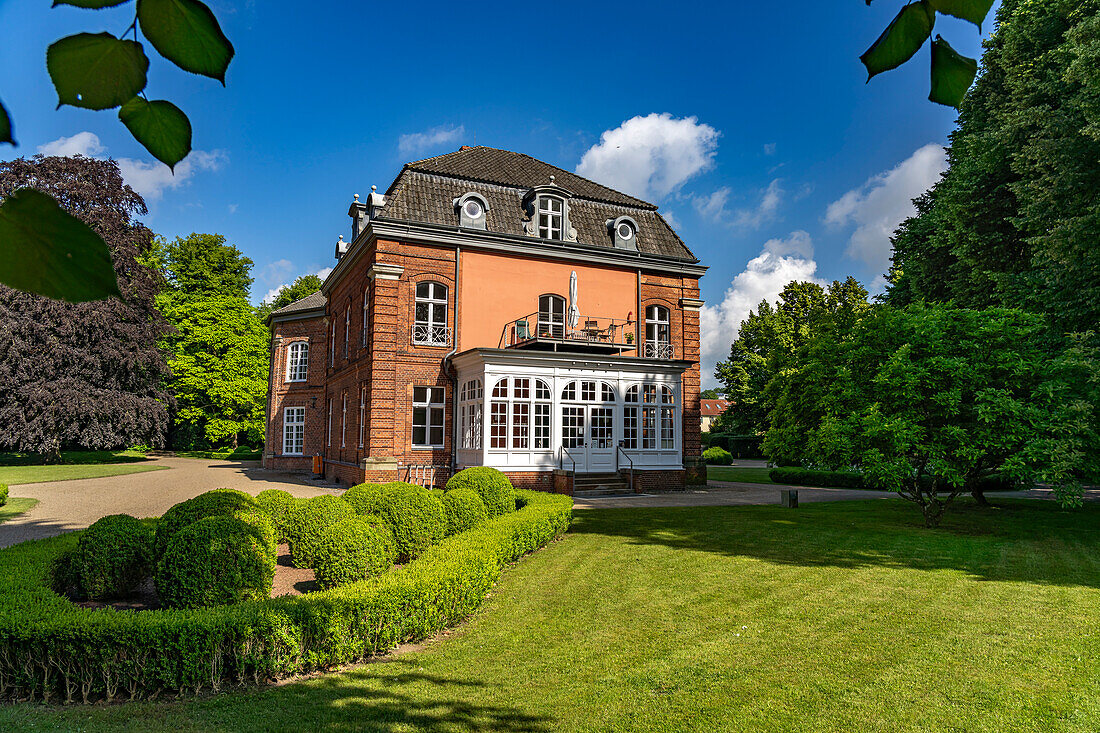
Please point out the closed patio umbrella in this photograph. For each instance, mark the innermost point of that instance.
(574, 312)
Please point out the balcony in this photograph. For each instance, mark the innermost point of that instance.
(592, 334)
(658, 350)
(431, 334)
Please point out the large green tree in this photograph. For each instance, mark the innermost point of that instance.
(89, 374)
(201, 265)
(1015, 221)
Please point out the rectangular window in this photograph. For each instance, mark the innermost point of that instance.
(521, 388)
(344, 421)
(294, 430)
(668, 432)
(363, 332)
(630, 427)
(649, 428)
(347, 329)
(362, 413)
(542, 425)
(297, 367)
(428, 417)
(328, 434)
(521, 426)
(550, 217)
(475, 420)
(498, 425)
(332, 346)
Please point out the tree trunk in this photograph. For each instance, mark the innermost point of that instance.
(979, 496)
(933, 513)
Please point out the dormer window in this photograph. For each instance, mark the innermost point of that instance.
(624, 232)
(550, 217)
(471, 209)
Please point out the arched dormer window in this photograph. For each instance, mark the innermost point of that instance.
(430, 319)
(624, 233)
(550, 217)
(297, 361)
(658, 333)
(472, 210)
(548, 209)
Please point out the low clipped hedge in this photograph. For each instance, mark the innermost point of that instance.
(215, 503)
(307, 521)
(813, 477)
(3, 494)
(276, 504)
(717, 456)
(463, 509)
(53, 650)
(414, 515)
(112, 557)
(352, 550)
(364, 498)
(492, 486)
(218, 560)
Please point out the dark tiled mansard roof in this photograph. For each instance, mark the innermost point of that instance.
(425, 189)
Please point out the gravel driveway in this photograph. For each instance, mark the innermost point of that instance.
(64, 506)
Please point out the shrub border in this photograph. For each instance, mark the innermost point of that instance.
(52, 650)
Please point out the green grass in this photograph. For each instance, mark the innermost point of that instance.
(744, 474)
(14, 507)
(12, 475)
(75, 457)
(833, 617)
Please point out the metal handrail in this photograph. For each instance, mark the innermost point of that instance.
(561, 465)
(619, 449)
(589, 329)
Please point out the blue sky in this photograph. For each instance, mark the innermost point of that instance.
(748, 123)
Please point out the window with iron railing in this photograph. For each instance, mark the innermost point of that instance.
(658, 333)
(430, 319)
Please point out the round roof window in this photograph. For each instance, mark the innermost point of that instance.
(472, 208)
(626, 232)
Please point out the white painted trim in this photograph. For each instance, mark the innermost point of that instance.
(383, 271)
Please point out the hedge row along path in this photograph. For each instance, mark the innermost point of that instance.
(64, 506)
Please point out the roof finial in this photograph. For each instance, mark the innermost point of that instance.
(341, 238)
(356, 197)
(551, 178)
(373, 189)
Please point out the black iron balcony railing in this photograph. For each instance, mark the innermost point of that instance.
(586, 330)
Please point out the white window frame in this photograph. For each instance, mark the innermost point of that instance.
(431, 331)
(294, 431)
(658, 332)
(363, 331)
(550, 222)
(328, 436)
(332, 346)
(297, 361)
(433, 403)
(362, 413)
(347, 329)
(344, 421)
(469, 409)
(649, 423)
(524, 422)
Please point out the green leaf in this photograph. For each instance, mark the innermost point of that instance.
(186, 33)
(160, 126)
(6, 135)
(901, 39)
(952, 74)
(90, 4)
(47, 251)
(96, 70)
(972, 10)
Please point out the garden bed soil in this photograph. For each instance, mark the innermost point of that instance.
(289, 581)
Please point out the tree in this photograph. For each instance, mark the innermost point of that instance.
(219, 371)
(305, 285)
(85, 374)
(769, 339)
(710, 394)
(203, 265)
(930, 401)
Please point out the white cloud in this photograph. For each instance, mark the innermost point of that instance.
(415, 142)
(769, 148)
(651, 156)
(82, 143)
(714, 207)
(323, 272)
(883, 202)
(671, 219)
(150, 179)
(232, 208)
(765, 276)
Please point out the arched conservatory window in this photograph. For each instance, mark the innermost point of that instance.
(519, 414)
(649, 418)
(469, 413)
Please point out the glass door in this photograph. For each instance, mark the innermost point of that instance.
(601, 444)
(573, 437)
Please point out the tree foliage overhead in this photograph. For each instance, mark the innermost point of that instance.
(769, 340)
(84, 374)
(1015, 221)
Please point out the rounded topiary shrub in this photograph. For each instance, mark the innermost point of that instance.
(491, 485)
(308, 520)
(364, 498)
(414, 516)
(215, 561)
(113, 557)
(219, 502)
(276, 503)
(263, 524)
(463, 509)
(3, 494)
(717, 456)
(353, 550)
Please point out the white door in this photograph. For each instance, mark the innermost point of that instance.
(601, 439)
(574, 438)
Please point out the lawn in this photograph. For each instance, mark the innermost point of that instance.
(14, 507)
(832, 617)
(745, 474)
(28, 468)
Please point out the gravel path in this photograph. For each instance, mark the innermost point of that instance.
(64, 506)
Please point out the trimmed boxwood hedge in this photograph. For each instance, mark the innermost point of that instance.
(216, 503)
(55, 651)
(415, 516)
(113, 557)
(812, 477)
(463, 509)
(717, 456)
(276, 504)
(353, 550)
(492, 486)
(3, 494)
(364, 498)
(308, 520)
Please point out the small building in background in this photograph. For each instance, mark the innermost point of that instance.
(709, 410)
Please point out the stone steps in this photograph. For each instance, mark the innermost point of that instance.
(590, 486)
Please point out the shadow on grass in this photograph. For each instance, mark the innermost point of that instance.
(368, 698)
(1015, 540)
(12, 533)
(73, 458)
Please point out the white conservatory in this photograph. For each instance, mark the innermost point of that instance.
(538, 411)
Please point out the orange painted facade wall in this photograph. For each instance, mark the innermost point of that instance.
(497, 289)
